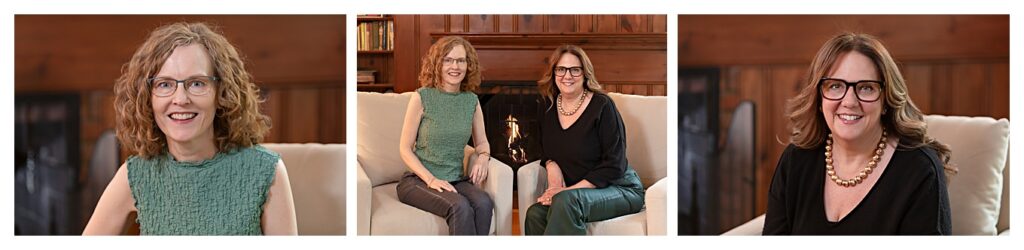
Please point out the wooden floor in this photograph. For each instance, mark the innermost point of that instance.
(515, 214)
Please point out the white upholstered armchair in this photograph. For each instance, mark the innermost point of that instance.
(379, 167)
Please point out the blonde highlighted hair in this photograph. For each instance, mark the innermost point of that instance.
(432, 66)
(900, 116)
(238, 121)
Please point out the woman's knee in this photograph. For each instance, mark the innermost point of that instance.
(567, 198)
(536, 212)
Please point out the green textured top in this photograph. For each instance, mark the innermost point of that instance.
(220, 196)
(445, 129)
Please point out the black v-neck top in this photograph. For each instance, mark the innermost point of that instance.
(593, 148)
(909, 198)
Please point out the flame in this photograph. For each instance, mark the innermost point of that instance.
(515, 140)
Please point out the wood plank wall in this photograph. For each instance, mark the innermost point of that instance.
(954, 65)
(298, 61)
(634, 70)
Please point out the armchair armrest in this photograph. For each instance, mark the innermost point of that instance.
(364, 196)
(752, 227)
(532, 180)
(657, 209)
(499, 185)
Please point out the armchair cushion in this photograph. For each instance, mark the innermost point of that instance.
(979, 146)
(379, 124)
(317, 174)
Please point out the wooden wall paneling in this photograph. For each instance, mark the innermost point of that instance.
(509, 23)
(331, 112)
(634, 23)
(1000, 92)
(941, 89)
(659, 23)
(659, 90)
(607, 24)
(302, 121)
(561, 23)
(971, 84)
(795, 38)
(408, 47)
(456, 23)
(273, 106)
(586, 23)
(918, 77)
(480, 23)
(611, 66)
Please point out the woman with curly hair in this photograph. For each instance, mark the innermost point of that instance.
(188, 112)
(441, 117)
(859, 159)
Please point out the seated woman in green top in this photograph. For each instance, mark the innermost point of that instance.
(189, 112)
(440, 119)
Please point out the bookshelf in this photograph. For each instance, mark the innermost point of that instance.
(375, 53)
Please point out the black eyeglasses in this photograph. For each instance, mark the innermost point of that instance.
(865, 90)
(574, 71)
(197, 85)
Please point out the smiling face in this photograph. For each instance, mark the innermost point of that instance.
(568, 84)
(851, 119)
(453, 66)
(183, 117)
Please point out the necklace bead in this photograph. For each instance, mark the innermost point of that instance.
(863, 174)
(579, 104)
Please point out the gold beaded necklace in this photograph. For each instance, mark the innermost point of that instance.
(578, 104)
(831, 172)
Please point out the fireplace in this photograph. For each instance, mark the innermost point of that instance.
(511, 109)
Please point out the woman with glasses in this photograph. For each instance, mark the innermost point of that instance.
(859, 160)
(442, 116)
(188, 112)
(583, 144)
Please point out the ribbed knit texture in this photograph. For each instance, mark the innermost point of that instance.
(220, 196)
(444, 131)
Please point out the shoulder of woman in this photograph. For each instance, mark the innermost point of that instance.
(920, 160)
(604, 102)
(796, 157)
(264, 153)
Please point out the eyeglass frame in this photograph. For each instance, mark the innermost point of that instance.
(567, 70)
(177, 82)
(881, 88)
(456, 61)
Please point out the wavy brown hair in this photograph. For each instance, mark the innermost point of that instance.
(900, 115)
(432, 67)
(546, 84)
(238, 121)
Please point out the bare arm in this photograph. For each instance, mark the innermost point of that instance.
(114, 206)
(478, 173)
(410, 128)
(279, 210)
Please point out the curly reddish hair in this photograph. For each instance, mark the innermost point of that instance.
(431, 70)
(238, 121)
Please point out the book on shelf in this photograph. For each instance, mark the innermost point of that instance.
(365, 76)
(376, 35)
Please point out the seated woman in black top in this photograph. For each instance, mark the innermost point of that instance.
(859, 161)
(583, 151)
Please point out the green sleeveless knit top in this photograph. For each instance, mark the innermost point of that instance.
(445, 129)
(220, 196)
